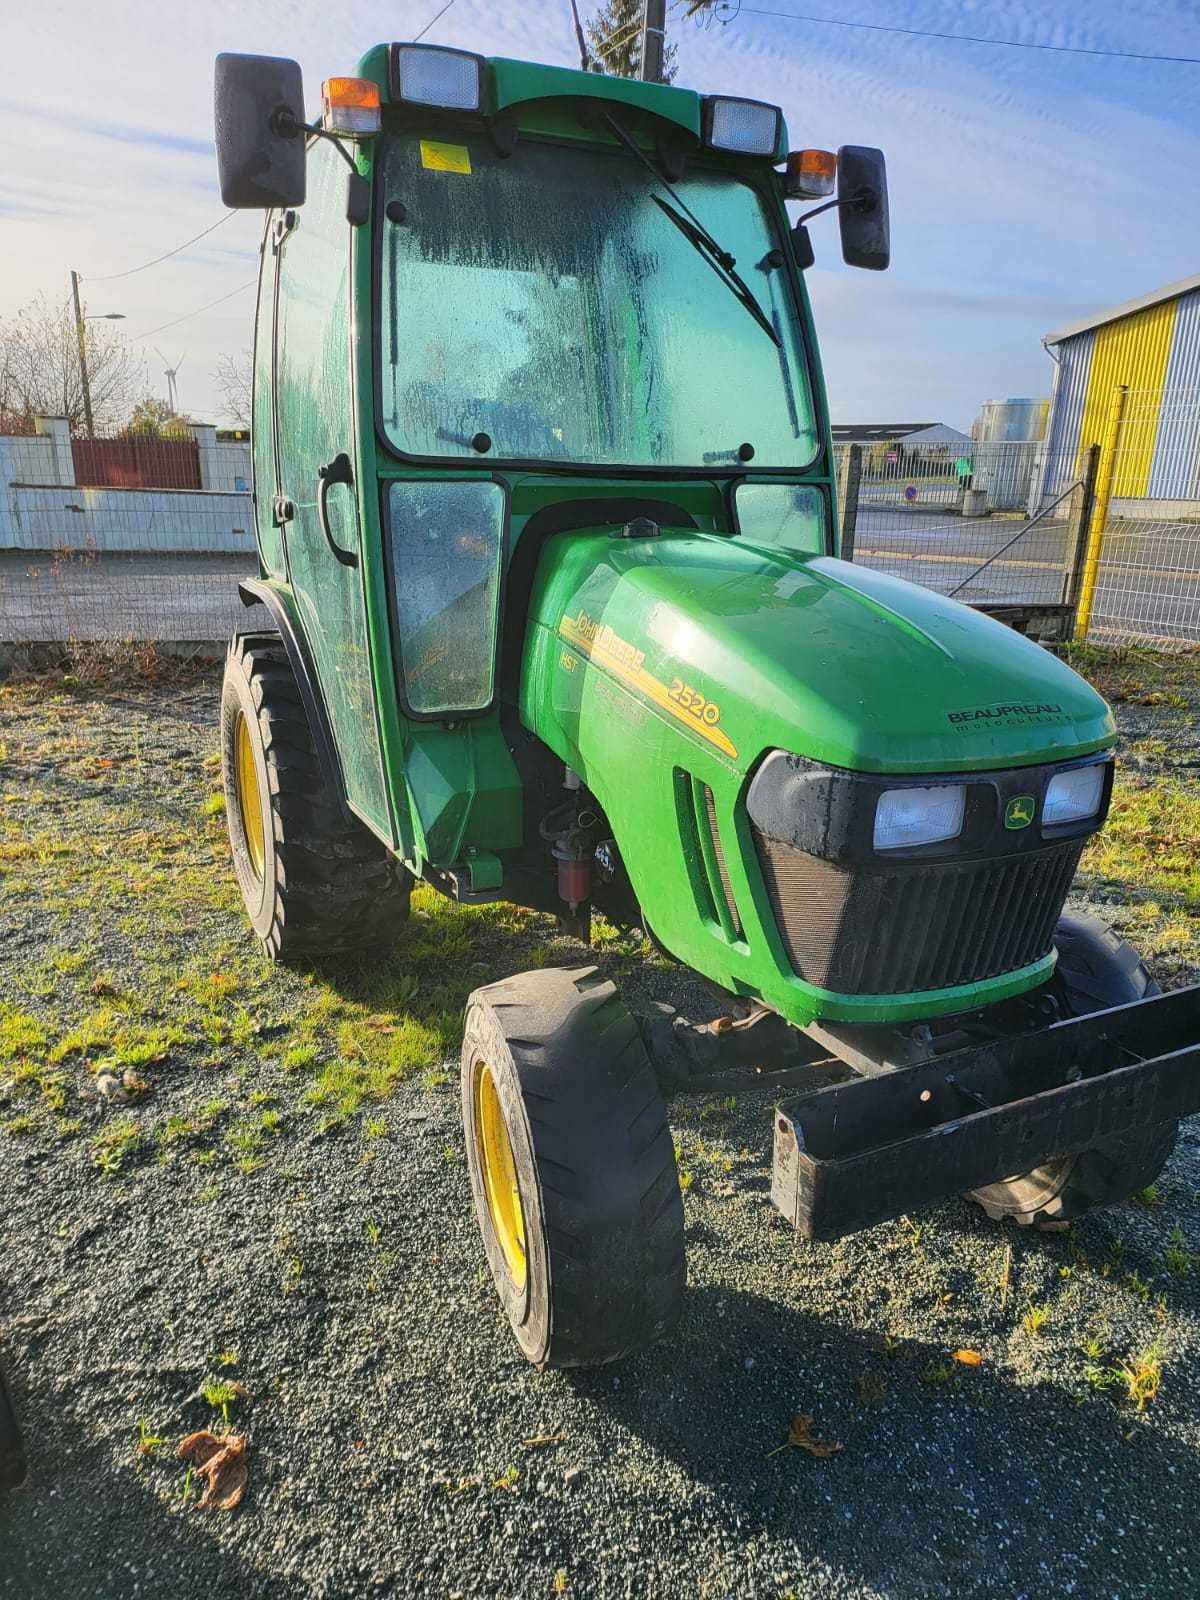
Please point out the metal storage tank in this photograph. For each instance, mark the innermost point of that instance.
(1152, 346)
(1008, 464)
(1012, 421)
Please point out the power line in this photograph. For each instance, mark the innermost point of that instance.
(967, 38)
(432, 20)
(163, 326)
(112, 276)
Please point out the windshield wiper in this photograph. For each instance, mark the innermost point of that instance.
(698, 236)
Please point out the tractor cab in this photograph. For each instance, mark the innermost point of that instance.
(498, 301)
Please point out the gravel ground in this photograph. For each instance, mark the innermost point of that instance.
(255, 1217)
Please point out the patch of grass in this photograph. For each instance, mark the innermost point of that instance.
(298, 1057)
(1141, 1376)
(214, 804)
(221, 1393)
(1151, 846)
(1036, 1318)
(714, 1109)
(1137, 1285)
(106, 1034)
(1177, 1258)
(116, 1144)
(148, 1442)
(372, 1062)
(937, 1374)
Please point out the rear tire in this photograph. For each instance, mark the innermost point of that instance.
(13, 1464)
(572, 1168)
(314, 882)
(1096, 969)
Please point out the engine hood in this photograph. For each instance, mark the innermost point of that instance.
(747, 649)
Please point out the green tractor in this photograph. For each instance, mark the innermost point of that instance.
(547, 542)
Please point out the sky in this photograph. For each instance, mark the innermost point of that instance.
(1028, 188)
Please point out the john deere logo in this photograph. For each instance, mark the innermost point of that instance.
(1018, 813)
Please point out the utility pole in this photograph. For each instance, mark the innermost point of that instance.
(81, 336)
(654, 32)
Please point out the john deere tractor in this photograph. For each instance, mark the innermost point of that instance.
(546, 535)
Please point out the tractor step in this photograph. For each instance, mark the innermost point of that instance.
(857, 1153)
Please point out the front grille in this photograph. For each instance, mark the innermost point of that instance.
(925, 927)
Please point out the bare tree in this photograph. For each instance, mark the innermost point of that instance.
(234, 378)
(39, 368)
(615, 40)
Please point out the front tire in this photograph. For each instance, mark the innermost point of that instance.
(1096, 969)
(572, 1168)
(314, 882)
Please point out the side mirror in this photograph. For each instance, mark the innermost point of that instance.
(259, 113)
(863, 212)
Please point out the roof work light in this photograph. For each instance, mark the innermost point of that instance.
(749, 127)
(350, 106)
(427, 75)
(810, 174)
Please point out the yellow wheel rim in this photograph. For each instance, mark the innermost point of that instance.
(248, 796)
(499, 1174)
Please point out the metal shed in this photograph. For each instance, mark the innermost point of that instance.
(1151, 346)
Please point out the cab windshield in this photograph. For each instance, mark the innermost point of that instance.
(544, 307)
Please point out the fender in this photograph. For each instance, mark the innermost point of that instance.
(253, 591)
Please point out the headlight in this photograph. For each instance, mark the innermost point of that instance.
(1072, 796)
(919, 816)
(750, 127)
(428, 75)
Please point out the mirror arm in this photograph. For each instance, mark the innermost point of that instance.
(287, 125)
(863, 200)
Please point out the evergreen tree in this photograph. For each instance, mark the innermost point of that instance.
(614, 36)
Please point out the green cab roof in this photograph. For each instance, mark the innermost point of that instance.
(508, 83)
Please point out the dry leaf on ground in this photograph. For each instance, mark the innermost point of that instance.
(801, 1437)
(221, 1460)
(969, 1358)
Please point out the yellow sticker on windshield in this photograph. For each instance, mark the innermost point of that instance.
(445, 157)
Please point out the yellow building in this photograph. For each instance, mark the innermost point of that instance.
(1151, 346)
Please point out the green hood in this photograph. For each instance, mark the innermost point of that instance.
(747, 649)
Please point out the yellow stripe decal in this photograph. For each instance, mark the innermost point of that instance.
(600, 644)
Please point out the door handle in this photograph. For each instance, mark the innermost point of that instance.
(336, 471)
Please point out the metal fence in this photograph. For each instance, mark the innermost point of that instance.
(127, 538)
(1145, 563)
(1108, 533)
(89, 595)
(1111, 533)
(958, 521)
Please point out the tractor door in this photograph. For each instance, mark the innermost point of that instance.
(315, 446)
